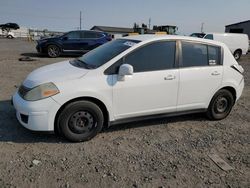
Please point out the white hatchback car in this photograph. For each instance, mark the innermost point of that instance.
(131, 78)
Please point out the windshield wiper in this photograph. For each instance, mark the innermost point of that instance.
(86, 65)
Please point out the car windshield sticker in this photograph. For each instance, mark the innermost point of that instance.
(129, 43)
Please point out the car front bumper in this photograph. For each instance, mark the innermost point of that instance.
(36, 115)
(39, 49)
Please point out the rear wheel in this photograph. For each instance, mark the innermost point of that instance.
(237, 54)
(53, 51)
(220, 105)
(81, 121)
(10, 37)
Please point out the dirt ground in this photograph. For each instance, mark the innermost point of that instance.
(171, 152)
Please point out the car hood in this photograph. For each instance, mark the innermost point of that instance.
(48, 39)
(57, 72)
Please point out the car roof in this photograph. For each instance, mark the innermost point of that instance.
(152, 37)
(228, 34)
(94, 31)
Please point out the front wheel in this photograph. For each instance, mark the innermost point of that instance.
(53, 51)
(220, 105)
(81, 121)
(10, 37)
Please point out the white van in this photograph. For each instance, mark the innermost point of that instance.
(237, 43)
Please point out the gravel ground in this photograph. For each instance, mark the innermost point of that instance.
(171, 152)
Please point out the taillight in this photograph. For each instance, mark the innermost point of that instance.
(109, 38)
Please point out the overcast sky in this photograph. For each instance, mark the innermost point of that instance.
(63, 15)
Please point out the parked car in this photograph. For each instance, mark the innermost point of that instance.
(237, 43)
(132, 78)
(10, 35)
(72, 42)
(9, 26)
(6, 30)
(7, 34)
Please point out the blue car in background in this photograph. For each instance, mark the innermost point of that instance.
(72, 42)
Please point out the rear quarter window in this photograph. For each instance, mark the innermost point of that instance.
(214, 55)
(209, 36)
(90, 35)
(99, 35)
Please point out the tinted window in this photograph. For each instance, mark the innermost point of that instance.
(209, 36)
(214, 55)
(89, 35)
(105, 52)
(194, 54)
(156, 56)
(99, 35)
(73, 35)
(199, 35)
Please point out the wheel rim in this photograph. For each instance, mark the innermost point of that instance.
(236, 55)
(221, 105)
(82, 122)
(53, 51)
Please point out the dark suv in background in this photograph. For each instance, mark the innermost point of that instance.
(72, 42)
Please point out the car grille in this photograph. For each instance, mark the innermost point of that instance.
(23, 90)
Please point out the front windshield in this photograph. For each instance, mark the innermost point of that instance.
(104, 53)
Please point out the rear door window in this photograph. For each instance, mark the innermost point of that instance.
(194, 54)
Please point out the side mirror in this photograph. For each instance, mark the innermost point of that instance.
(125, 70)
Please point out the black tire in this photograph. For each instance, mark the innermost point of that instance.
(53, 51)
(237, 54)
(10, 37)
(80, 121)
(220, 105)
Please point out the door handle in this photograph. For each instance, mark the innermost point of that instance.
(215, 73)
(169, 77)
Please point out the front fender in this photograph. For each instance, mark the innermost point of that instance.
(105, 99)
(54, 43)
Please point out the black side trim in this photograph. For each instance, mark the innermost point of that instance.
(156, 116)
(233, 67)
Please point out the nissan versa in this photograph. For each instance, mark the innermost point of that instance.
(132, 78)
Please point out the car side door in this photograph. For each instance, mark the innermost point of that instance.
(201, 74)
(90, 40)
(86, 39)
(70, 41)
(153, 87)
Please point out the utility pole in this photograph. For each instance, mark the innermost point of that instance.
(80, 20)
(202, 26)
(149, 23)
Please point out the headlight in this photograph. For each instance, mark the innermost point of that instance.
(41, 41)
(41, 92)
